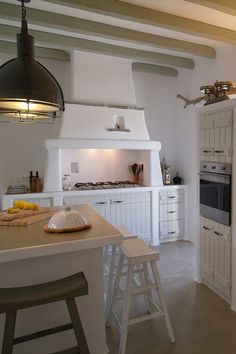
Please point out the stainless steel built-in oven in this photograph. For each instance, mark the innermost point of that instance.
(215, 191)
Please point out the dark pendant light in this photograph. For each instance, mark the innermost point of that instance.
(28, 91)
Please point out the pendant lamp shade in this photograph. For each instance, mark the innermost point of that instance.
(28, 91)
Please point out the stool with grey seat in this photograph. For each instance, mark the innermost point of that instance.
(14, 299)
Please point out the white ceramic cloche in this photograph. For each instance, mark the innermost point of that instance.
(67, 220)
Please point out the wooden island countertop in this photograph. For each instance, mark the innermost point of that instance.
(29, 255)
(21, 242)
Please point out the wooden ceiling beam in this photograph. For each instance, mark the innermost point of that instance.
(81, 26)
(154, 69)
(66, 42)
(226, 6)
(123, 10)
(40, 52)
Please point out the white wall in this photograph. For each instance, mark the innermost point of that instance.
(174, 126)
(102, 79)
(22, 146)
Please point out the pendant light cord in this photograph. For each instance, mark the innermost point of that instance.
(24, 26)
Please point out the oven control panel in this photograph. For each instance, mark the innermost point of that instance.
(216, 167)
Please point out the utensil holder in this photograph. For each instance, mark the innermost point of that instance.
(136, 179)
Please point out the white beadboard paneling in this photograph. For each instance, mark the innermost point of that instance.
(216, 136)
(130, 209)
(215, 256)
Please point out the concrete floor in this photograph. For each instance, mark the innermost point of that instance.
(202, 322)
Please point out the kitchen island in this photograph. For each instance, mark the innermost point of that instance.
(29, 255)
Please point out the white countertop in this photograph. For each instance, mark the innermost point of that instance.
(91, 192)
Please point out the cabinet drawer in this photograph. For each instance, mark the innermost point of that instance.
(171, 196)
(92, 200)
(130, 198)
(171, 211)
(171, 228)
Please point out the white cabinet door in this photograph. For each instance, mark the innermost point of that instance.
(215, 257)
(222, 253)
(207, 251)
(134, 211)
(216, 136)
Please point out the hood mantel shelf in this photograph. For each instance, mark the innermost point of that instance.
(57, 144)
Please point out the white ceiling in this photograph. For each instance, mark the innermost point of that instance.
(189, 10)
(177, 7)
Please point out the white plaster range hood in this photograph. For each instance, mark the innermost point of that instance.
(99, 78)
(93, 127)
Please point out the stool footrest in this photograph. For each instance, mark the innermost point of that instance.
(45, 332)
(145, 317)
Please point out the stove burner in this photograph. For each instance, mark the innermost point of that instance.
(104, 185)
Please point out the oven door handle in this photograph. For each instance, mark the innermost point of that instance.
(214, 177)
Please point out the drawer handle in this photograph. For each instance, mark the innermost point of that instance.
(219, 151)
(171, 232)
(171, 212)
(172, 196)
(207, 228)
(118, 201)
(101, 203)
(218, 233)
(206, 151)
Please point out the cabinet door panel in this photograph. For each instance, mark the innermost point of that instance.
(222, 261)
(136, 216)
(207, 251)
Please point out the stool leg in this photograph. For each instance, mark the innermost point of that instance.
(9, 330)
(162, 300)
(125, 312)
(78, 328)
(149, 291)
(142, 283)
(110, 282)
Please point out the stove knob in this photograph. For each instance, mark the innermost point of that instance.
(213, 167)
(223, 168)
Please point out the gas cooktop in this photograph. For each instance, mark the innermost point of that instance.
(104, 185)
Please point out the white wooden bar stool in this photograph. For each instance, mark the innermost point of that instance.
(110, 264)
(138, 255)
